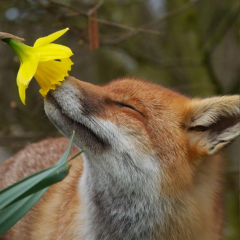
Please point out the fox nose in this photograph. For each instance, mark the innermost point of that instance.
(77, 96)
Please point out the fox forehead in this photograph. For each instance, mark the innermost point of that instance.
(151, 99)
(130, 87)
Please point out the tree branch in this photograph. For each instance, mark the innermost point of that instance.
(132, 30)
(95, 8)
(78, 12)
(59, 18)
(158, 20)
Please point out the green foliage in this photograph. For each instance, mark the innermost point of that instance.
(17, 199)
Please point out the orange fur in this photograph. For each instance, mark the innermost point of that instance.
(180, 133)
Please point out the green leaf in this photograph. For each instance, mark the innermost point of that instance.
(58, 175)
(13, 213)
(19, 198)
(63, 159)
(13, 192)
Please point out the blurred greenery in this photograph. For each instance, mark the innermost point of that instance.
(189, 46)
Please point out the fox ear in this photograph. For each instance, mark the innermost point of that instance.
(213, 122)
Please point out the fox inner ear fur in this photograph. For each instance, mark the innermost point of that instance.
(214, 122)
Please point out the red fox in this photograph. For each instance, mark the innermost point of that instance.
(148, 172)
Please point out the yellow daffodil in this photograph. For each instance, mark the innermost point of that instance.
(48, 62)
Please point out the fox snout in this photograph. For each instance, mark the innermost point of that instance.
(69, 109)
(74, 98)
(100, 116)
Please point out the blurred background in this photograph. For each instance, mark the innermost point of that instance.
(189, 46)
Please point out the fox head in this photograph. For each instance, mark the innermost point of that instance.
(133, 115)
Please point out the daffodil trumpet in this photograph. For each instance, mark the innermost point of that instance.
(48, 62)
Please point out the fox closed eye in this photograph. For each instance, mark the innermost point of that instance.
(121, 104)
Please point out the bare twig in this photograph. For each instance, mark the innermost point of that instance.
(59, 18)
(95, 8)
(133, 30)
(119, 25)
(120, 39)
(172, 13)
(4, 35)
(103, 21)
(158, 20)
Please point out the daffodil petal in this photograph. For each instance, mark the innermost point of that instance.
(48, 62)
(26, 72)
(51, 73)
(50, 38)
(27, 68)
(22, 89)
(53, 51)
